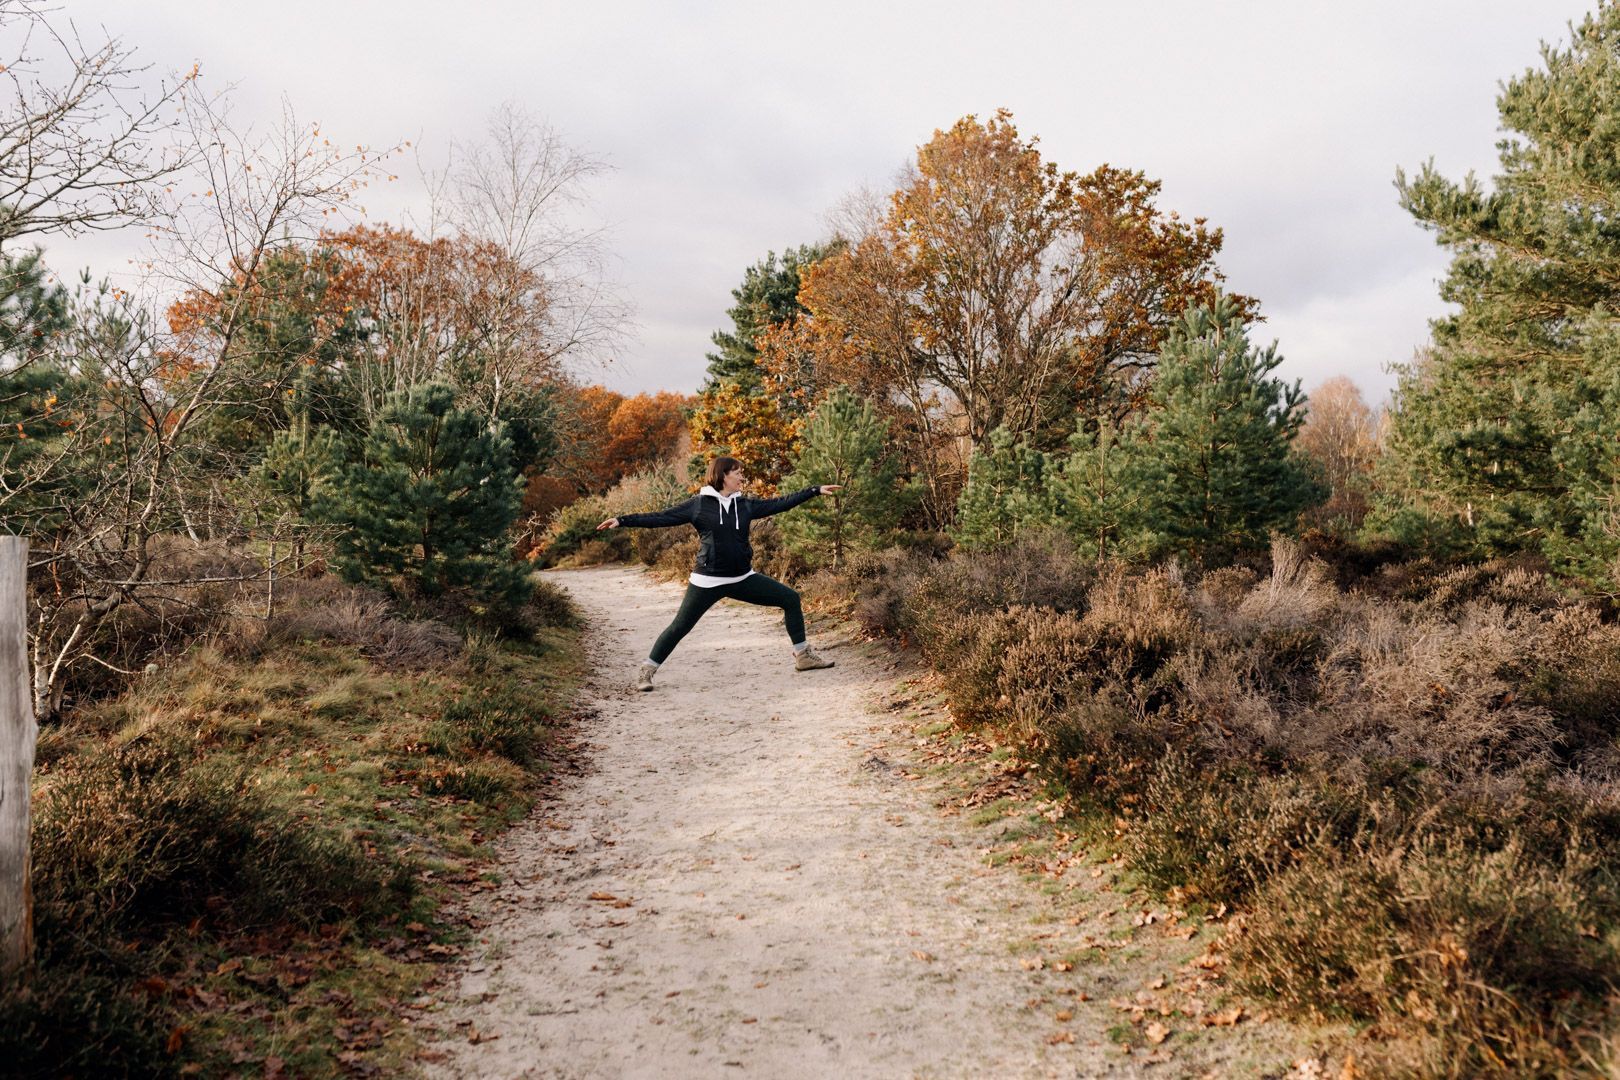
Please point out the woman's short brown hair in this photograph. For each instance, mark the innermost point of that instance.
(718, 468)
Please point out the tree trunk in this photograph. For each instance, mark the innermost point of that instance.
(17, 736)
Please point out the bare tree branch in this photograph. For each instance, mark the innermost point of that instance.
(82, 144)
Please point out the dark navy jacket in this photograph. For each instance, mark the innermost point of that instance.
(725, 551)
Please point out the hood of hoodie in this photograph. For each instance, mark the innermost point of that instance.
(727, 502)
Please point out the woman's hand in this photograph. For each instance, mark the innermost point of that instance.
(828, 489)
(610, 523)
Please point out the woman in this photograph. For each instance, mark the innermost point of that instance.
(721, 517)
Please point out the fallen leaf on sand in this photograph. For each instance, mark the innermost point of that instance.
(1060, 1037)
(1156, 1033)
(1224, 1018)
(602, 896)
(918, 954)
(1032, 963)
(1064, 1016)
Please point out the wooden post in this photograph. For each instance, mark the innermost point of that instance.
(18, 731)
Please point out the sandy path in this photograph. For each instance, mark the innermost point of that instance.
(777, 909)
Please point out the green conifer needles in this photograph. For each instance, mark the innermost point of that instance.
(1208, 470)
(431, 499)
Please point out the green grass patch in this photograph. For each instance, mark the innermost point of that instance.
(242, 860)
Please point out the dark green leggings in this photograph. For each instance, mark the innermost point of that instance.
(754, 589)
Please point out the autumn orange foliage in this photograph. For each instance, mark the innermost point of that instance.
(607, 436)
(751, 427)
(1021, 291)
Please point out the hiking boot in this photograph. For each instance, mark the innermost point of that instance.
(644, 677)
(808, 660)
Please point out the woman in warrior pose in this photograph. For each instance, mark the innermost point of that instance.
(721, 515)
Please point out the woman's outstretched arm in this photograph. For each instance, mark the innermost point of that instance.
(759, 508)
(679, 514)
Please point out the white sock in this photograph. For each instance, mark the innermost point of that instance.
(800, 647)
(651, 661)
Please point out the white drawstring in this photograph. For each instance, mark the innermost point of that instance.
(725, 501)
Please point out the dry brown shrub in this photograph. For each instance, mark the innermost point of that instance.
(332, 610)
(1038, 569)
(1139, 620)
(1478, 962)
(598, 553)
(1046, 665)
(967, 651)
(881, 585)
(1385, 775)
(1299, 592)
(1512, 583)
(1223, 707)
(1450, 692)
(1219, 832)
(1104, 749)
(1223, 589)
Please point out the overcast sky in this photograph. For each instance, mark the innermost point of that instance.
(732, 129)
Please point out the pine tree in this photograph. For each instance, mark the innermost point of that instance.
(1100, 505)
(1215, 465)
(768, 295)
(1585, 541)
(33, 310)
(432, 499)
(845, 442)
(1009, 489)
(298, 463)
(37, 393)
(1476, 444)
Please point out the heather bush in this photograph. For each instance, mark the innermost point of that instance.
(1219, 832)
(967, 652)
(880, 582)
(1140, 621)
(70, 1021)
(1104, 749)
(329, 609)
(1408, 784)
(551, 606)
(1043, 668)
(1485, 959)
(1040, 569)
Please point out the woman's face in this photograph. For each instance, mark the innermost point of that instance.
(735, 479)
